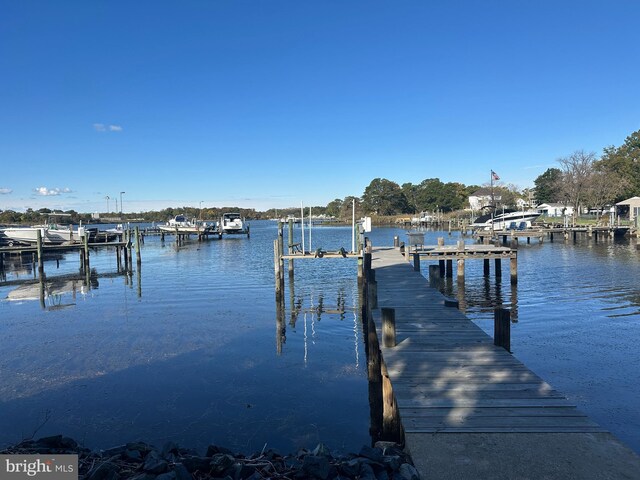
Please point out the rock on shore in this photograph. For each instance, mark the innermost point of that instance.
(140, 461)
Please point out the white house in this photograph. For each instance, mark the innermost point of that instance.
(555, 209)
(632, 205)
(482, 198)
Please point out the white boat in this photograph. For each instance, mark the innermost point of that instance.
(181, 224)
(30, 235)
(508, 220)
(232, 223)
(118, 229)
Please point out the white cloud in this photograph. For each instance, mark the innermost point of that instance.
(47, 192)
(5, 191)
(101, 127)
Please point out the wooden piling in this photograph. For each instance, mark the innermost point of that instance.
(276, 267)
(40, 256)
(449, 272)
(514, 269)
(451, 302)
(441, 266)
(392, 430)
(138, 258)
(498, 265)
(434, 276)
(372, 287)
(502, 328)
(85, 242)
(486, 267)
(388, 327)
(416, 262)
(460, 269)
(366, 263)
(290, 250)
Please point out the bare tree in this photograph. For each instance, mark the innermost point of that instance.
(605, 186)
(577, 171)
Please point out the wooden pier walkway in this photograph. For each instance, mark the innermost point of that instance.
(470, 409)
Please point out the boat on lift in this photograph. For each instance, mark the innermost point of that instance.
(233, 223)
(507, 220)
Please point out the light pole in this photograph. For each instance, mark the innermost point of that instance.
(107, 198)
(121, 203)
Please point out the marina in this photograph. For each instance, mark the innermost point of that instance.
(173, 310)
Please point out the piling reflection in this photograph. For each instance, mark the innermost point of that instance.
(485, 292)
(311, 307)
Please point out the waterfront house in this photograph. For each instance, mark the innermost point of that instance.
(629, 208)
(482, 198)
(555, 209)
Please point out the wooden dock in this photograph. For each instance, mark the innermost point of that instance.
(455, 391)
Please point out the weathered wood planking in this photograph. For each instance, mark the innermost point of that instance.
(447, 374)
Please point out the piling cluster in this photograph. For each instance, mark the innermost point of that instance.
(140, 461)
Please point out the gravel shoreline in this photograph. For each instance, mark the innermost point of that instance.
(141, 461)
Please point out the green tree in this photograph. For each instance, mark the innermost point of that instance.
(625, 162)
(548, 186)
(429, 194)
(346, 209)
(384, 197)
(410, 192)
(333, 207)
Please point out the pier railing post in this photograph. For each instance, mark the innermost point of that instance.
(502, 328)
(388, 327)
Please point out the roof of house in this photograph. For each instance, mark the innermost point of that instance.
(630, 201)
(554, 205)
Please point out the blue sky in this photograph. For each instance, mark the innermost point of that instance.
(271, 103)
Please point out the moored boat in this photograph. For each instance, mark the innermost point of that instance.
(181, 224)
(232, 223)
(508, 220)
(30, 235)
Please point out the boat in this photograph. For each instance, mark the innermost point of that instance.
(508, 220)
(232, 223)
(181, 224)
(29, 235)
(117, 230)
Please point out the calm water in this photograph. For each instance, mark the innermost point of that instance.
(189, 349)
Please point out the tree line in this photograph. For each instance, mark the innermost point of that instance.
(581, 180)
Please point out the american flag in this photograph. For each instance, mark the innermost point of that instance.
(494, 175)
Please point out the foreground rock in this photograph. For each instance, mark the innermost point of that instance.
(140, 461)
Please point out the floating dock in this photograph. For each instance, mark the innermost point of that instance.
(467, 408)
